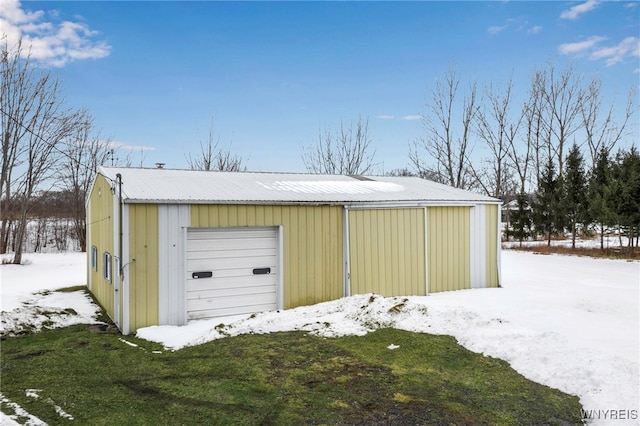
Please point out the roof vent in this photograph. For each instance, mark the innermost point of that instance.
(160, 165)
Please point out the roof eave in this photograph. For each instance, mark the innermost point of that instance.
(347, 203)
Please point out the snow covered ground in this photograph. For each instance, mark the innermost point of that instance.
(610, 241)
(572, 323)
(28, 297)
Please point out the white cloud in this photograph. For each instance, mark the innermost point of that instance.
(578, 10)
(517, 24)
(54, 44)
(12, 12)
(534, 30)
(572, 48)
(628, 47)
(386, 117)
(496, 29)
(631, 5)
(412, 117)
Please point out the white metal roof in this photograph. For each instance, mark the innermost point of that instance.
(199, 187)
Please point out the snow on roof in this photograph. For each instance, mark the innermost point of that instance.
(197, 187)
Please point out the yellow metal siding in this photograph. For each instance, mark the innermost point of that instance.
(492, 245)
(312, 246)
(449, 248)
(101, 223)
(386, 251)
(143, 266)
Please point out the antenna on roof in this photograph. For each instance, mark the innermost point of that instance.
(160, 165)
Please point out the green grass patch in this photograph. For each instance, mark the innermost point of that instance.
(279, 379)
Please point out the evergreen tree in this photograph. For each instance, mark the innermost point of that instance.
(616, 189)
(574, 200)
(600, 194)
(547, 213)
(521, 221)
(627, 192)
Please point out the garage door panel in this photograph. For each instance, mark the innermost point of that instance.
(226, 292)
(236, 233)
(231, 263)
(220, 254)
(238, 282)
(231, 305)
(231, 255)
(242, 256)
(231, 301)
(231, 273)
(230, 244)
(227, 311)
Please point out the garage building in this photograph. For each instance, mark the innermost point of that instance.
(170, 246)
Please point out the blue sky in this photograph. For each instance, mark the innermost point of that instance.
(272, 74)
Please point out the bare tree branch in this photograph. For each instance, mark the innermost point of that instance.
(347, 153)
(34, 122)
(600, 127)
(212, 157)
(498, 129)
(444, 150)
(563, 95)
(84, 151)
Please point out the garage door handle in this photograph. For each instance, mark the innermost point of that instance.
(261, 271)
(203, 274)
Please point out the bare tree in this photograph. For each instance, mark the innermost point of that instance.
(563, 95)
(498, 129)
(521, 151)
(15, 105)
(348, 152)
(84, 151)
(444, 143)
(34, 122)
(539, 132)
(601, 129)
(212, 157)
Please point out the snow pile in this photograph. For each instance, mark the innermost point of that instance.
(29, 300)
(355, 315)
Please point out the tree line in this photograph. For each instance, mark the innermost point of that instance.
(553, 154)
(51, 223)
(481, 140)
(606, 197)
(50, 152)
(50, 155)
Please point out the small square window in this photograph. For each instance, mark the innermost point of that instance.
(106, 257)
(94, 258)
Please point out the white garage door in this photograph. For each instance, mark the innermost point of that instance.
(231, 271)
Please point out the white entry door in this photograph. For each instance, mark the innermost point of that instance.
(231, 271)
